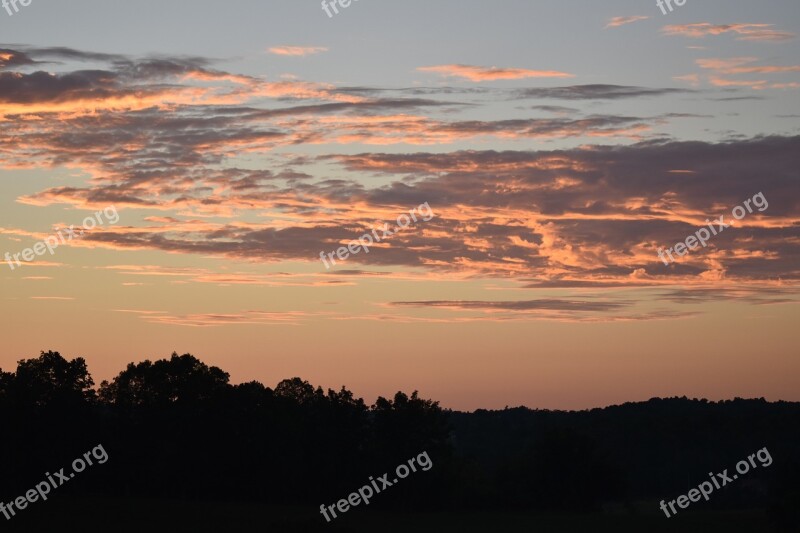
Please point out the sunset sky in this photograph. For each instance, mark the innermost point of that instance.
(558, 144)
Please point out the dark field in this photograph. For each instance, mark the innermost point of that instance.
(141, 516)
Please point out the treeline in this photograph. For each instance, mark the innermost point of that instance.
(177, 429)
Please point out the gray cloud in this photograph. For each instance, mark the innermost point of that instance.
(596, 92)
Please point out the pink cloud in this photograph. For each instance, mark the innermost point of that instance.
(734, 66)
(297, 50)
(474, 73)
(746, 32)
(621, 21)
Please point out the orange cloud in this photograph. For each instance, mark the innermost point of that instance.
(474, 73)
(297, 50)
(734, 66)
(594, 212)
(620, 21)
(694, 79)
(739, 65)
(287, 318)
(746, 32)
(724, 82)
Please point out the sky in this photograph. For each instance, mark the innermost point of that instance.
(190, 162)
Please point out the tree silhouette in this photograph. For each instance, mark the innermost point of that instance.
(405, 425)
(181, 379)
(50, 381)
(298, 391)
(176, 429)
(6, 383)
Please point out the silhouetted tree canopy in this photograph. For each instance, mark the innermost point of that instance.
(180, 379)
(177, 428)
(48, 381)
